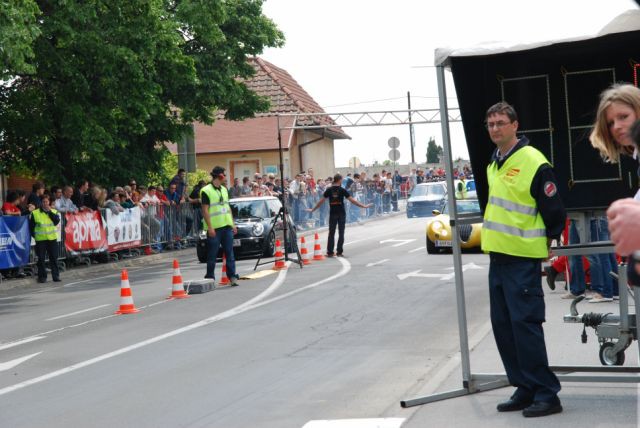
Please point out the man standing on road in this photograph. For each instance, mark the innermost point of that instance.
(337, 215)
(218, 223)
(523, 215)
(43, 224)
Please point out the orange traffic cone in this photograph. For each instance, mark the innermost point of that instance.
(177, 286)
(279, 263)
(317, 251)
(126, 300)
(303, 252)
(224, 279)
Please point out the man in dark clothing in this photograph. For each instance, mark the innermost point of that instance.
(37, 190)
(79, 194)
(523, 215)
(337, 215)
(43, 222)
(181, 183)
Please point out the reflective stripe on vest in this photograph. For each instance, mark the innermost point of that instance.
(44, 229)
(512, 223)
(219, 209)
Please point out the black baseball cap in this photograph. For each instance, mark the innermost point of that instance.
(216, 171)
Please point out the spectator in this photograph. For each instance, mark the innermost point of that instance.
(180, 183)
(37, 190)
(11, 205)
(150, 198)
(234, 191)
(79, 194)
(133, 185)
(64, 204)
(94, 199)
(113, 203)
(56, 193)
(162, 196)
(246, 187)
(43, 222)
(397, 180)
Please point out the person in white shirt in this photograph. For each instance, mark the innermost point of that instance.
(64, 204)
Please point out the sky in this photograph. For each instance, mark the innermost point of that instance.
(348, 53)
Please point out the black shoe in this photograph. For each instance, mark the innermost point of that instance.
(56, 280)
(542, 408)
(551, 277)
(330, 254)
(512, 404)
(42, 280)
(234, 281)
(339, 255)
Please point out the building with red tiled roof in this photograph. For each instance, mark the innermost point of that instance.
(249, 146)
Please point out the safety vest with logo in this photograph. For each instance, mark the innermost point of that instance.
(461, 190)
(219, 210)
(44, 229)
(512, 223)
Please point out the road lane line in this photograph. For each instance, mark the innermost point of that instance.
(77, 312)
(13, 363)
(357, 423)
(20, 342)
(377, 263)
(417, 249)
(223, 315)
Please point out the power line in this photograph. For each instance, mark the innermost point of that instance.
(384, 99)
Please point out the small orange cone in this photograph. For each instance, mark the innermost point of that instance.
(317, 251)
(279, 263)
(303, 252)
(177, 286)
(126, 300)
(224, 279)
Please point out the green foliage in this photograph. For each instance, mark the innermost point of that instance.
(199, 174)
(18, 30)
(115, 79)
(434, 152)
(386, 162)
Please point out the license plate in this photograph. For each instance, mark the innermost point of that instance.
(236, 243)
(443, 243)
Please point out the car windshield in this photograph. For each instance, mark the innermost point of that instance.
(430, 190)
(249, 209)
(471, 186)
(465, 206)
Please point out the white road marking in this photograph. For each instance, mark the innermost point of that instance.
(11, 364)
(465, 268)
(77, 312)
(401, 241)
(417, 249)
(377, 263)
(416, 273)
(248, 305)
(357, 240)
(357, 423)
(20, 342)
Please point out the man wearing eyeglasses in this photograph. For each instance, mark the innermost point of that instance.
(524, 213)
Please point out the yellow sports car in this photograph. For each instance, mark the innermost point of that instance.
(439, 230)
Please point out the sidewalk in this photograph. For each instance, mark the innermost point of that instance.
(585, 404)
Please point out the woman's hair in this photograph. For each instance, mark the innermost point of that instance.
(601, 138)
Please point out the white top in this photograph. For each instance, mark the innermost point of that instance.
(627, 21)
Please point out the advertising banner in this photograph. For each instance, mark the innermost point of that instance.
(124, 229)
(84, 233)
(15, 241)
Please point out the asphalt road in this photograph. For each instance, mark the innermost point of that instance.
(345, 338)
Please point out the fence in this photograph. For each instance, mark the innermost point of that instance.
(101, 236)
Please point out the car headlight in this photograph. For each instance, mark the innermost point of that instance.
(444, 232)
(437, 226)
(258, 229)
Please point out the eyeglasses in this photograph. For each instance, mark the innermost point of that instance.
(497, 125)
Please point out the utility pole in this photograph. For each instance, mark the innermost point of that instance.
(411, 143)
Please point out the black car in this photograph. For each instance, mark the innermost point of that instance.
(425, 198)
(257, 232)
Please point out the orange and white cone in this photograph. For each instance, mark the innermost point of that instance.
(279, 263)
(303, 252)
(177, 286)
(126, 300)
(224, 279)
(317, 250)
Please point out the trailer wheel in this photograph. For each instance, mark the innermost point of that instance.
(608, 358)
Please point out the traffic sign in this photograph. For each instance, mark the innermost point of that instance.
(394, 154)
(394, 142)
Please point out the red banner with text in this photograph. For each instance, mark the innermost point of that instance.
(84, 233)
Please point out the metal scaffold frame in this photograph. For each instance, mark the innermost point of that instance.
(471, 382)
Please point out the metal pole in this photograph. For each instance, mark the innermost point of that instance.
(455, 239)
(282, 197)
(411, 143)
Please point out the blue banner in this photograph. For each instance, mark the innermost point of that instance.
(15, 241)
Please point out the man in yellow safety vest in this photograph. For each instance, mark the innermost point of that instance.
(217, 221)
(43, 222)
(523, 215)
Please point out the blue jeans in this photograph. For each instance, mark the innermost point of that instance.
(600, 264)
(224, 237)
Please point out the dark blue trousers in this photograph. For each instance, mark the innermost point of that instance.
(517, 314)
(224, 238)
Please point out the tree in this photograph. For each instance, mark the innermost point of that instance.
(434, 152)
(386, 163)
(18, 30)
(116, 79)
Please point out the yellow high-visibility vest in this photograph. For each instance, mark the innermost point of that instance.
(45, 230)
(512, 223)
(219, 210)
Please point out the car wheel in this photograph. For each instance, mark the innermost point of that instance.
(202, 250)
(270, 250)
(431, 247)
